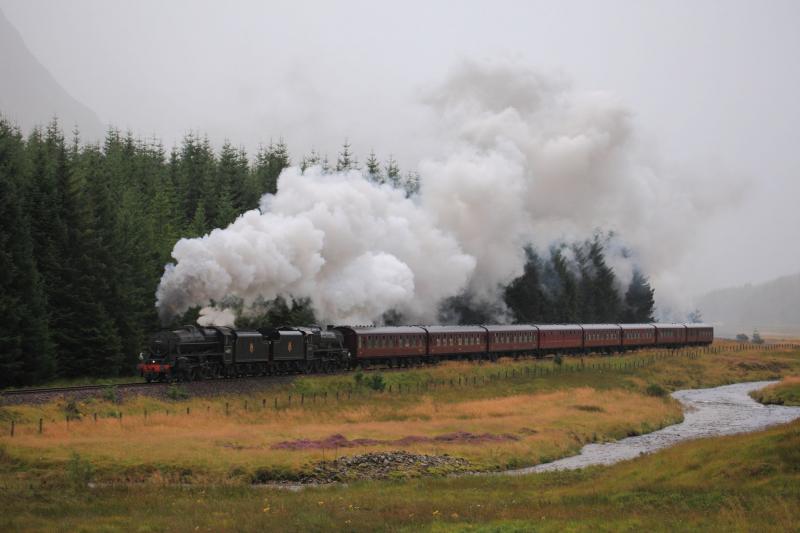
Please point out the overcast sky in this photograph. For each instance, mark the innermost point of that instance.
(713, 86)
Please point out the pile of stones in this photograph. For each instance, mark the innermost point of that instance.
(384, 465)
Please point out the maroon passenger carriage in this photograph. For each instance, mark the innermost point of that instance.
(699, 334)
(515, 340)
(389, 345)
(601, 337)
(637, 336)
(557, 338)
(670, 335)
(456, 342)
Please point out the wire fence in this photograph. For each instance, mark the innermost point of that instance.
(349, 392)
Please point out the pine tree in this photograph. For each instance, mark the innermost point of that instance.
(524, 296)
(346, 160)
(198, 226)
(85, 334)
(639, 302)
(605, 295)
(310, 160)
(196, 175)
(225, 210)
(374, 173)
(325, 166)
(411, 183)
(392, 172)
(232, 171)
(563, 289)
(26, 351)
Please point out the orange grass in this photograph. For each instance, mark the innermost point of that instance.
(550, 415)
(211, 444)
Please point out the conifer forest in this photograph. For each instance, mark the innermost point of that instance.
(86, 230)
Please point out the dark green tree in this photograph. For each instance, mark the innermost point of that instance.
(278, 312)
(639, 303)
(525, 296)
(232, 180)
(561, 289)
(26, 351)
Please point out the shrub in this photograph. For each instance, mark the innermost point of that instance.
(111, 394)
(267, 474)
(79, 471)
(71, 410)
(358, 378)
(176, 392)
(376, 382)
(558, 359)
(655, 389)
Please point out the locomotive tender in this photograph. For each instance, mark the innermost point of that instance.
(192, 352)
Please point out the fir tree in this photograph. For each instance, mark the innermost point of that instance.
(310, 160)
(374, 168)
(26, 352)
(392, 172)
(639, 302)
(325, 166)
(232, 173)
(198, 226)
(346, 161)
(411, 183)
(524, 296)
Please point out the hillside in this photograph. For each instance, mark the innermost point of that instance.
(30, 95)
(772, 307)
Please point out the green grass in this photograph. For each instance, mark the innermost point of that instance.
(740, 483)
(181, 471)
(787, 392)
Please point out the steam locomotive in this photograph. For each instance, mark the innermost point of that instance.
(193, 353)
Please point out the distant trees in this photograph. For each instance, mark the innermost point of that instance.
(573, 284)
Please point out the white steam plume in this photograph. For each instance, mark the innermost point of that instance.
(526, 160)
(355, 249)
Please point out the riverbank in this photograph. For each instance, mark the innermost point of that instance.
(714, 412)
(748, 482)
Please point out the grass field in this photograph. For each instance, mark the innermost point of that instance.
(787, 392)
(197, 468)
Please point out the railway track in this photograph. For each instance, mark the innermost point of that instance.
(78, 388)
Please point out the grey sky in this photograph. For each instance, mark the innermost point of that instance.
(714, 86)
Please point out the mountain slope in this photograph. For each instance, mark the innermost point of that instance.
(772, 306)
(30, 95)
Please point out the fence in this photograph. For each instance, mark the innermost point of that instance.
(536, 370)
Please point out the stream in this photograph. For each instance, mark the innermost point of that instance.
(714, 412)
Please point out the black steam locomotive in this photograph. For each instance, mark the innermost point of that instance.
(193, 353)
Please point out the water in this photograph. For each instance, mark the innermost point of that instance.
(713, 412)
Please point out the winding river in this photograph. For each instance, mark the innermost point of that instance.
(712, 412)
